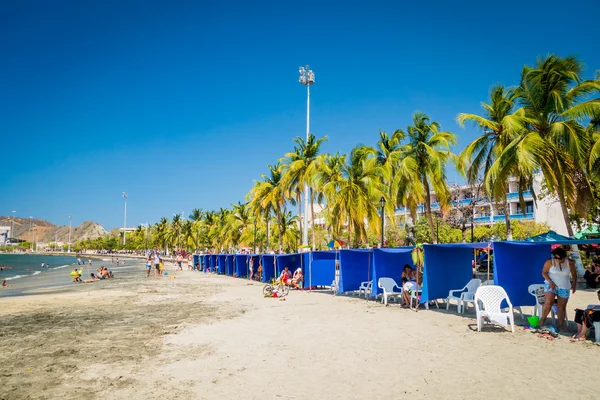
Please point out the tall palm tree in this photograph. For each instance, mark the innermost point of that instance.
(162, 229)
(269, 195)
(353, 199)
(327, 180)
(176, 227)
(429, 150)
(499, 127)
(196, 217)
(554, 101)
(302, 169)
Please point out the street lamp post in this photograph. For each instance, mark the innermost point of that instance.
(307, 78)
(124, 218)
(382, 204)
(69, 246)
(12, 230)
(254, 244)
(31, 231)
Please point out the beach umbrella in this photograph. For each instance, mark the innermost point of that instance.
(335, 243)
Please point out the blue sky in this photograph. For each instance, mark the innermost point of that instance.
(182, 104)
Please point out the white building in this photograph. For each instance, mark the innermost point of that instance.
(546, 210)
(4, 235)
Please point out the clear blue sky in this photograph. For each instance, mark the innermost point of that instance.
(183, 103)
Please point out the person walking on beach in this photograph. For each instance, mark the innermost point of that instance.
(157, 262)
(179, 260)
(148, 266)
(557, 283)
(189, 262)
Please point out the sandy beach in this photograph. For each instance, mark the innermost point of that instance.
(198, 336)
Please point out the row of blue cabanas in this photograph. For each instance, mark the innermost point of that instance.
(447, 266)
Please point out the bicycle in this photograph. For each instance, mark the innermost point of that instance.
(276, 286)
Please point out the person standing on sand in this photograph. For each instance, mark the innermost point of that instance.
(148, 266)
(157, 262)
(179, 260)
(557, 283)
(189, 261)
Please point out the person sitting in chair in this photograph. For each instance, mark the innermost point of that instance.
(298, 278)
(409, 283)
(592, 275)
(286, 275)
(585, 320)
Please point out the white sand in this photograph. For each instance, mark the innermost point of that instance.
(227, 342)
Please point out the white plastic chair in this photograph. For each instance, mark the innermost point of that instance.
(388, 285)
(413, 297)
(537, 310)
(365, 287)
(334, 287)
(488, 303)
(464, 295)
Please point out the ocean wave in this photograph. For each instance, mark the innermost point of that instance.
(15, 277)
(62, 266)
(36, 273)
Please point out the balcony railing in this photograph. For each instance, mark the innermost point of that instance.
(515, 195)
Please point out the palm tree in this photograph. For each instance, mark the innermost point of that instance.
(269, 195)
(162, 229)
(429, 151)
(176, 227)
(196, 217)
(554, 100)
(499, 128)
(302, 168)
(327, 180)
(352, 199)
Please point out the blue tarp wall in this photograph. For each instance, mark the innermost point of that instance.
(321, 268)
(388, 263)
(293, 261)
(229, 264)
(355, 268)
(221, 265)
(268, 267)
(196, 259)
(241, 265)
(518, 265)
(213, 262)
(447, 267)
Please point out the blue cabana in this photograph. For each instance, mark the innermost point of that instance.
(519, 264)
(292, 261)
(355, 268)
(214, 258)
(447, 267)
(549, 236)
(321, 267)
(268, 267)
(196, 260)
(241, 265)
(388, 263)
(221, 263)
(229, 264)
(205, 262)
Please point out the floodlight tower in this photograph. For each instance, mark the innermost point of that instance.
(307, 78)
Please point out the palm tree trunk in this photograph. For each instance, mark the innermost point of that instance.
(312, 218)
(563, 206)
(279, 220)
(267, 246)
(509, 235)
(428, 211)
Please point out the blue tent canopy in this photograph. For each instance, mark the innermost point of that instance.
(549, 236)
(268, 267)
(196, 260)
(355, 268)
(214, 258)
(221, 265)
(321, 267)
(388, 263)
(230, 264)
(253, 260)
(447, 267)
(292, 261)
(241, 265)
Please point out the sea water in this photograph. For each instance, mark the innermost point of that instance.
(22, 266)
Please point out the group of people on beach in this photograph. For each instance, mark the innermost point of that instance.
(296, 280)
(101, 274)
(182, 256)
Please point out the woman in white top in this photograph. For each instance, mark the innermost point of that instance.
(557, 274)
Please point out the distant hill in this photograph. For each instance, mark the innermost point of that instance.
(48, 232)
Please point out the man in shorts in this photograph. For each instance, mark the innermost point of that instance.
(157, 262)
